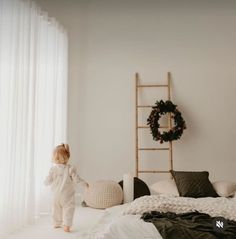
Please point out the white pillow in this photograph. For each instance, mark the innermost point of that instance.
(165, 187)
(224, 188)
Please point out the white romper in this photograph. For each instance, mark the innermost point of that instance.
(62, 178)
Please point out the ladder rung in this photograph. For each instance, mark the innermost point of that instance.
(145, 106)
(153, 148)
(140, 86)
(153, 171)
(147, 127)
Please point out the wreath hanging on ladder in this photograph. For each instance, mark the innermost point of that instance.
(160, 109)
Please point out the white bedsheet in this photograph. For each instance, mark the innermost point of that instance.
(114, 225)
(128, 227)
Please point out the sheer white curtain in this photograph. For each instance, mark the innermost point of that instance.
(33, 107)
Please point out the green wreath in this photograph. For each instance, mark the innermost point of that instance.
(160, 109)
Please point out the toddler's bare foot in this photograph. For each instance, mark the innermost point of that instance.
(56, 226)
(66, 229)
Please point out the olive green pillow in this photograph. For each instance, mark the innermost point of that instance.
(193, 184)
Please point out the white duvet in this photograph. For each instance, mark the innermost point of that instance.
(127, 227)
(123, 222)
(114, 225)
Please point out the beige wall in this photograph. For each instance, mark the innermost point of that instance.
(110, 40)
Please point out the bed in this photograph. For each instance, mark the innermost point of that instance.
(189, 206)
(137, 219)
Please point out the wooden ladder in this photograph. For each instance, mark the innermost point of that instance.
(138, 88)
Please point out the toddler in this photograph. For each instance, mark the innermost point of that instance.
(62, 178)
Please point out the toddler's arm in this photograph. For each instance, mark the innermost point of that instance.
(76, 178)
(49, 178)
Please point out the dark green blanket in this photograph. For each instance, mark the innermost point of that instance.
(192, 225)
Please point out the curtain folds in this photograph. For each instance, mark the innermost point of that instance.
(33, 108)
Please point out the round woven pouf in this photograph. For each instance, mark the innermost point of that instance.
(103, 194)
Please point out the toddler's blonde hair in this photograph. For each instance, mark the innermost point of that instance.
(61, 154)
